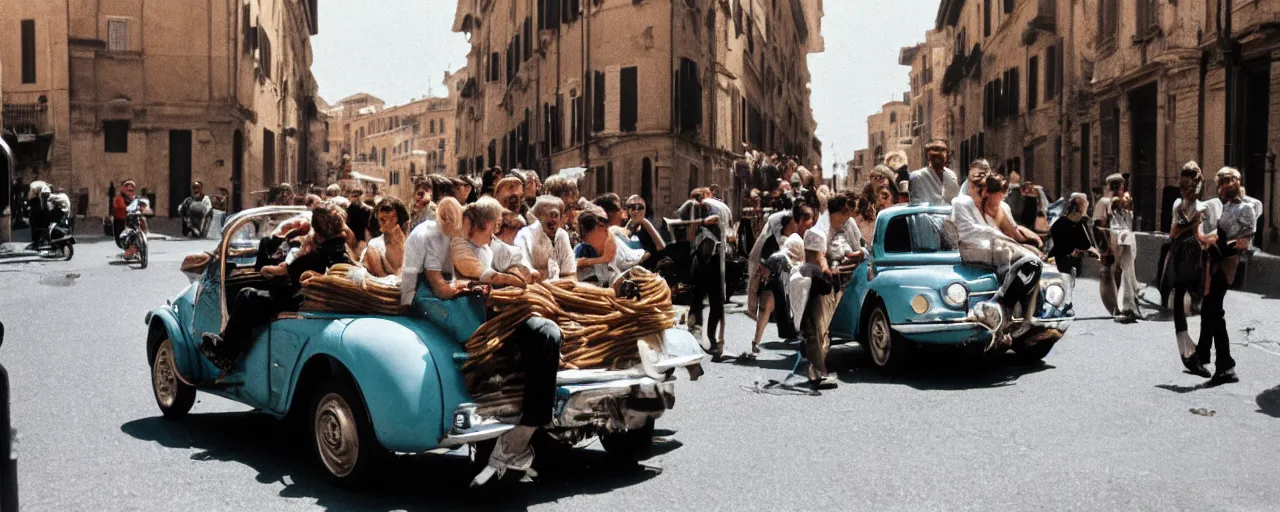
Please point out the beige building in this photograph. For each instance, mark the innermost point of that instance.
(395, 144)
(856, 170)
(1070, 92)
(927, 61)
(1003, 87)
(653, 97)
(890, 130)
(163, 93)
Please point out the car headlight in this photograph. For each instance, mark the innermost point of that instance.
(920, 304)
(1055, 294)
(955, 295)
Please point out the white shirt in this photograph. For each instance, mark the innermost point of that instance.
(927, 188)
(624, 257)
(1233, 220)
(972, 226)
(543, 252)
(503, 257)
(426, 248)
(818, 238)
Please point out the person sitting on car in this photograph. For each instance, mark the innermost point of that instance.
(993, 241)
(546, 243)
(254, 307)
(477, 255)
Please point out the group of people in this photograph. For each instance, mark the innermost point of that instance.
(457, 237)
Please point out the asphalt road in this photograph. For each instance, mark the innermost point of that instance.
(1104, 424)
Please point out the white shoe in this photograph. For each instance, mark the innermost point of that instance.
(512, 452)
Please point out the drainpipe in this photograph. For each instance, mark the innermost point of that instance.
(1225, 40)
(1204, 72)
(588, 107)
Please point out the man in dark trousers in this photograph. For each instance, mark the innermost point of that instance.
(254, 307)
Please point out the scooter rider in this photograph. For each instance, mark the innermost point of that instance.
(193, 211)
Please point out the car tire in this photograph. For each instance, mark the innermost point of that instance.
(341, 434)
(888, 350)
(173, 396)
(631, 445)
(1032, 354)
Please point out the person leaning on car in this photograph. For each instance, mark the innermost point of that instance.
(256, 307)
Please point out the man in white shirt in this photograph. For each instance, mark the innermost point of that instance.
(818, 244)
(546, 243)
(934, 184)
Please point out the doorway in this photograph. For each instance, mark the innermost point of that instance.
(179, 168)
(1251, 134)
(237, 170)
(1142, 178)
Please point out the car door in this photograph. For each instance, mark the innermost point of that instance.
(207, 318)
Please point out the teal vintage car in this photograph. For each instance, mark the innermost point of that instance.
(367, 385)
(914, 290)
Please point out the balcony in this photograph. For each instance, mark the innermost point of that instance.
(26, 119)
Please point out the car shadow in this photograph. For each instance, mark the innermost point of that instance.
(406, 482)
(1269, 402)
(938, 369)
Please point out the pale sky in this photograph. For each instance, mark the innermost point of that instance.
(399, 49)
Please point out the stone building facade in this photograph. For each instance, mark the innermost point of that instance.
(1002, 86)
(927, 61)
(890, 130)
(653, 98)
(1071, 92)
(395, 144)
(163, 93)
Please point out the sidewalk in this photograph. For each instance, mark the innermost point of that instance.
(1261, 271)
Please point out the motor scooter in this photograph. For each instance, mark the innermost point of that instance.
(196, 215)
(135, 230)
(57, 240)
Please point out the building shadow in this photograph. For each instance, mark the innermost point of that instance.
(1269, 402)
(406, 482)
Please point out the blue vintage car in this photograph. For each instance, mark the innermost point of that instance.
(367, 385)
(913, 289)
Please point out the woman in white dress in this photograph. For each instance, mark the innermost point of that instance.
(384, 255)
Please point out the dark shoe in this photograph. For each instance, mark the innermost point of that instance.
(1195, 367)
(1225, 376)
(828, 382)
(209, 346)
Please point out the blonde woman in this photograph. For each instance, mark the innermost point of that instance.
(477, 255)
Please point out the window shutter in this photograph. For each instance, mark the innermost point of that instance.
(28, 51)
(628, 101)
(597, 109)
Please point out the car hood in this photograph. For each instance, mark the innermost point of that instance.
(938, 275)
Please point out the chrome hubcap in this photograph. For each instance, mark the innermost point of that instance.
(163, 377)
(336, 436)
(880, 338)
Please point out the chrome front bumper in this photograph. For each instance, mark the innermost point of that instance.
(1060, 324)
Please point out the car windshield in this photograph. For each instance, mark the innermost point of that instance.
(918, 232)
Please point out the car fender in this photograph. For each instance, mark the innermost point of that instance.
(185, 352)
(396, 375)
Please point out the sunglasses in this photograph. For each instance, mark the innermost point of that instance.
(635, 207)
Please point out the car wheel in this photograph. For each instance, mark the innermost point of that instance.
(631, 445)
(888, 349)
(343, 436)
(173, 396)
(1031, 354)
